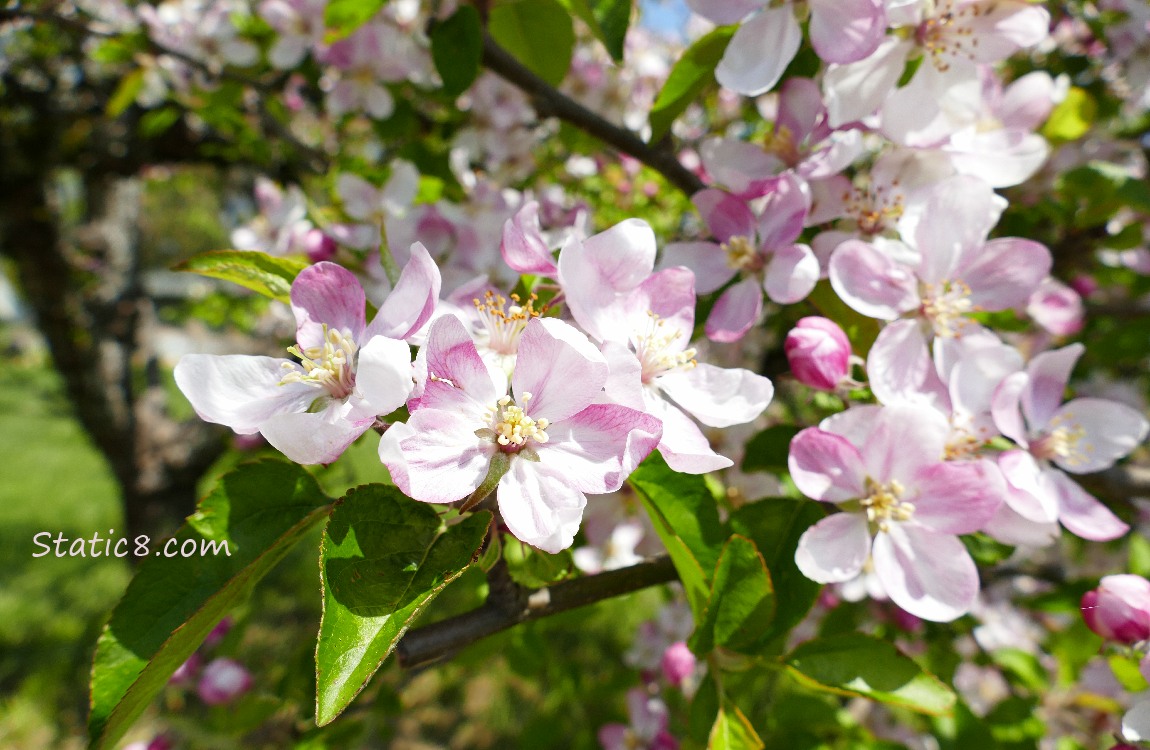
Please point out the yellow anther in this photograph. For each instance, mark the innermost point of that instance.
(504, 325)
(741, 254)
(330, 366)
(655, 349)
(883, 503)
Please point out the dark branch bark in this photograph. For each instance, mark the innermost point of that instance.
(509, 604)
(550, 102)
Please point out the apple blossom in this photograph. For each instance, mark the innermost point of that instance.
(545, 445)
(348, 374)
(647, 729)
(1082, 436)
(903, 507)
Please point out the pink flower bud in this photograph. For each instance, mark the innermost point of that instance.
(819, 353)
(222, 681)
(318, 246)
(678, 663)
(1119, 609)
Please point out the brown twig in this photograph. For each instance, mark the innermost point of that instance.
(551, 102)
(509, 604)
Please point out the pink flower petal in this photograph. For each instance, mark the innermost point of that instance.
(594, 272)
(741, 167)
(717, 396)
(412, 302)
(736, 310)
(760, 51)
(825, 466)
(456, 372)
(926, 573)
(559, 367)
(1004, 273)
(682, 443)
(1049, 372)
(726, 216)
(598, 448)
(1027, 493)
(314, 437)
(1005, 407)
(1080, 512)
(1009, 527)
(957, 497)
(835, 549)
(670, 295)
(800, 107)
(327, 294)
(904, 440)
(1109, 430)
(383, 374)
(706, 260)
(856, 90)
(523, 246)
(956, 221)
(239, 391)
(784, 211)
(791, 274)
(540, 508)
(725, 11)
(846, 31)
(900, 367)
(871, 282)
(435, 457)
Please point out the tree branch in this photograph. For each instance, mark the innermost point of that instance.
(551, 102)
(510, 604)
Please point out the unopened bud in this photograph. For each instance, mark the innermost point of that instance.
(1119, 609)
(819, 353)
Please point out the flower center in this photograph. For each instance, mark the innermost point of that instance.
(883, 503)
(1064, 443)
(874, 209)
(504, 325)
(741, 254)
(330, 366)
(948, 33)
(781, 142)
(510, 427)
(656, 349)
(946, 306)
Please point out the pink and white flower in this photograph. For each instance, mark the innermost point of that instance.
(758, 246)
(819, 353)
(348, 372)
(550, 438)
(903, 507)
(958, 270)
(1082, 436)
(222, 681)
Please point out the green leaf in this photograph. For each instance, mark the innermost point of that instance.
(345, 16)
(1024, 668)
(742, 601)
(533, 567)
(456, 47)
(1127, 673)
(732, 731)
(775, 525)
(125, 94)
(1139, 551)
(1072, 118)
(857, 664)
(693, 72)
(258, 511)
(768, 450)
(963, 731)
(537, 32)
(687, 520)
(607, 19)
(383, 557)
(267, 274)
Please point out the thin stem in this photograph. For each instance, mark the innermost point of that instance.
(551, 102)
(510, 604)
